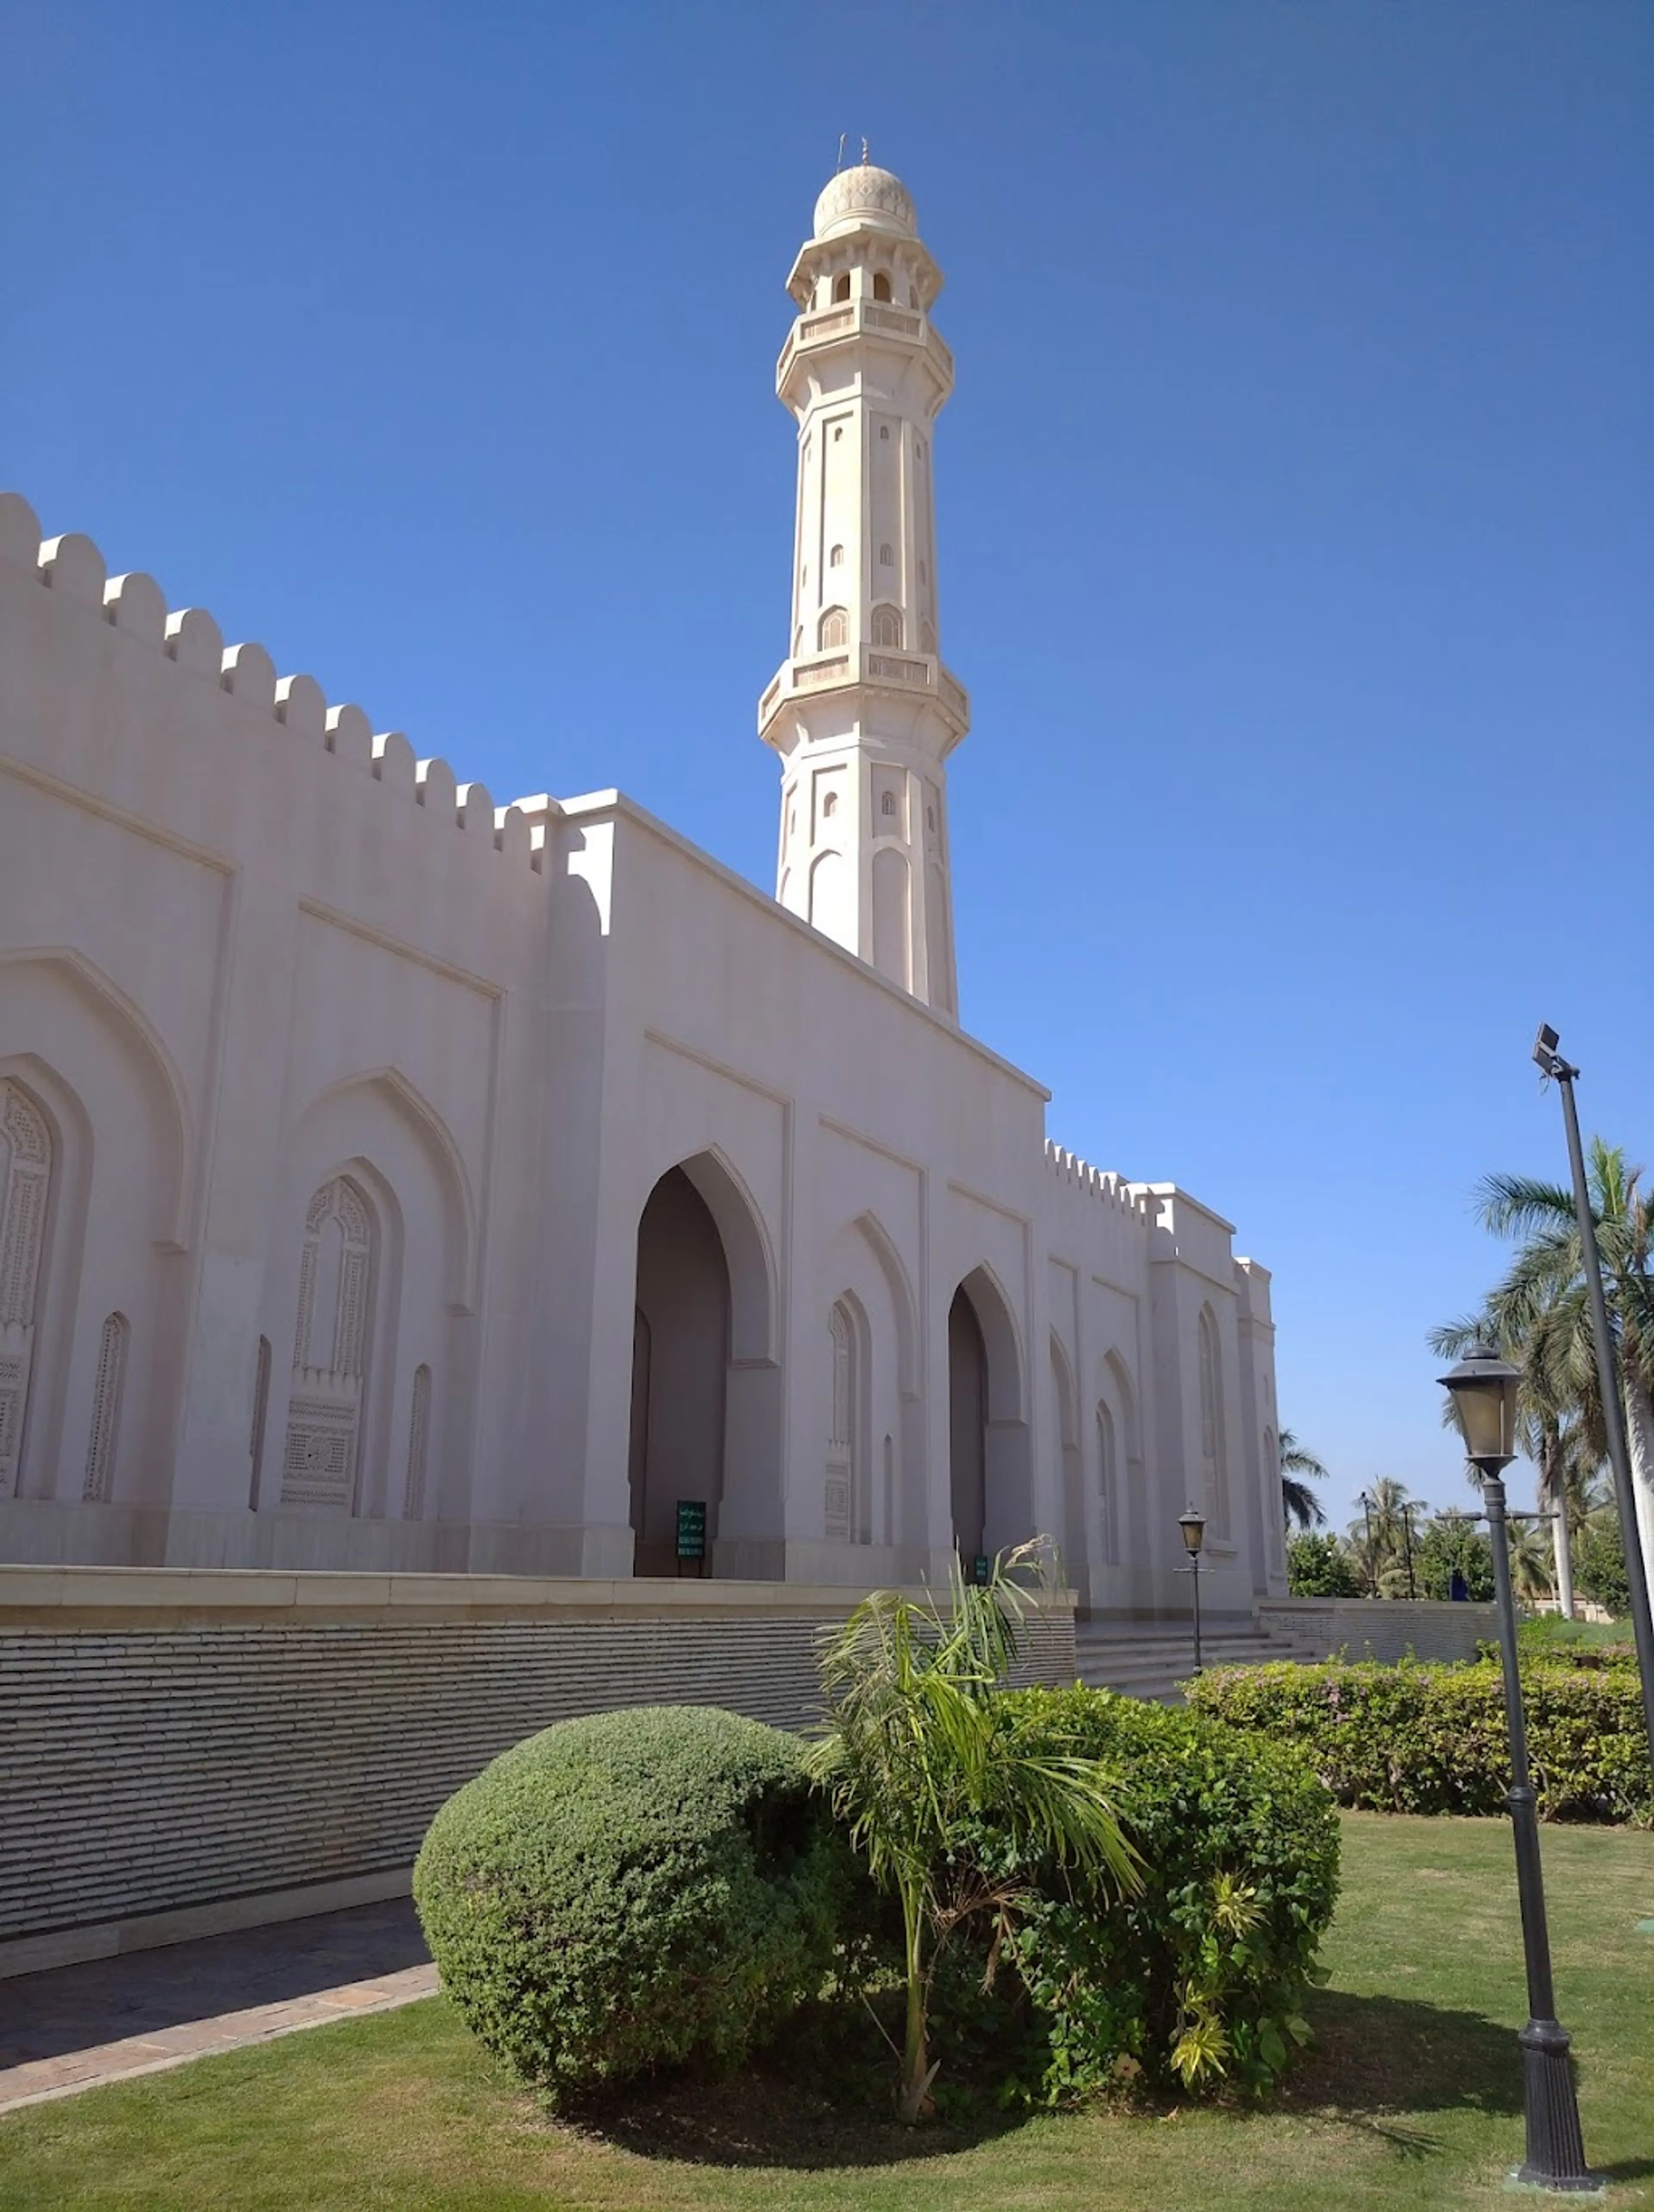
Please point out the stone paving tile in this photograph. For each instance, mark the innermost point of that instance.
(110, 2019)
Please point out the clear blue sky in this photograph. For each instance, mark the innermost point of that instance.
(1296, 511)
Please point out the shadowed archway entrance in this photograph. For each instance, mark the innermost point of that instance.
(987, 1429)
(706, 1402)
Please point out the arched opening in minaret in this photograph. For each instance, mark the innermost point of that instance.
(841, 288)
(705, 1428)
(880, 285)
(988, 1466)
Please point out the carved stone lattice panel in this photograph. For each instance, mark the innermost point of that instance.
(25, 1176)
(13, 1380)
(25, 1187)
(319, 1468)
(334, 1270)
(836, 1499)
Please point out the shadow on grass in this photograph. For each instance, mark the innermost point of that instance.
(1383, 2063)
(1392, 2059)
(770, 2120)
(823, 2096)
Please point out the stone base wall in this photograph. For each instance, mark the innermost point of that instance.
(188, 1749)
(1384, 1628)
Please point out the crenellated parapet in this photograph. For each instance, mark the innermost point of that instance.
(71, 566)
(1130, 1201)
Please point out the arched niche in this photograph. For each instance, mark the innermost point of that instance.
(1077, 1547)
(1122, 1507)
(862, 1268)
(706, 1396)
(380, 1137)
(1209, 1353)
(989, 1456)
(112, 1235)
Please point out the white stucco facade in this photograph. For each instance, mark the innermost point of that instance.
(392, 1179)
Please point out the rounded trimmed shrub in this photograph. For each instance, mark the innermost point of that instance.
(1198, 1979)
(629, 1890)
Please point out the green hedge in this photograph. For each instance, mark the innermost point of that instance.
(1420, 1738)
(1198, 1979)
(628, 1890)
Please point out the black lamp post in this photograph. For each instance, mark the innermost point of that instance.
(1642, 1627)
(1193, 1526)
(1483, 1388)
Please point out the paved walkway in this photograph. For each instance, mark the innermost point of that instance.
(109, 2019)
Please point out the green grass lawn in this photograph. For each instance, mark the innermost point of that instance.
(1412, 2097)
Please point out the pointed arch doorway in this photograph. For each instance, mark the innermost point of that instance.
(705, 1409)
(988, 1447)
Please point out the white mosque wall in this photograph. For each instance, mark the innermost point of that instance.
(355, 1088)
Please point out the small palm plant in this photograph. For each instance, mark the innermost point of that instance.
(916, 1752)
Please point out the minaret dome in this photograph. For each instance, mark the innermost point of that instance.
(865, 198)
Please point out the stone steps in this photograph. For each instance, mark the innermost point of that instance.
(1149, 1659)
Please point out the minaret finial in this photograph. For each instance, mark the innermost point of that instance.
(864, 153)
(840, 162)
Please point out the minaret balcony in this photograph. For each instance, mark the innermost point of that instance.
(828, 328)
(870, 667)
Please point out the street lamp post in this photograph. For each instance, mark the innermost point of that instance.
(1193, 1526)
(1483, 1388)
(1642, 1627)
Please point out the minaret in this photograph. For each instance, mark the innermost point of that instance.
(863, 714)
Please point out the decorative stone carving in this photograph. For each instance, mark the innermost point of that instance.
(840, 1454)
(99, 1486)
(855, 194)
(25, 1185)
(418, 1430)
(330, 1350)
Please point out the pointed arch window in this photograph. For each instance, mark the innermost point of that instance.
(840, 1490)
(887, 626)
(841, 286)
(330, 1349)
(834, 630)
(419, 1429)
(836, 557)
(25, 1185)
(880, 285)
(261, 1367)
(99, 1486)
(1108, 1482)
(1211, 1422)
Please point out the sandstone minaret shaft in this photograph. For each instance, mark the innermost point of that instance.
(862, 713)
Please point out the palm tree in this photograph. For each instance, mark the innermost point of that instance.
(1562, 1439)
(1298, 1468)
(1542, 1304)
(916, 1749)
(1532, 1561)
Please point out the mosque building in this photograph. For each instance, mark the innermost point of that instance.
(394, 1180)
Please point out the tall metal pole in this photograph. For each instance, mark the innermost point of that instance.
(1608, 1381)
(1555, 2148)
